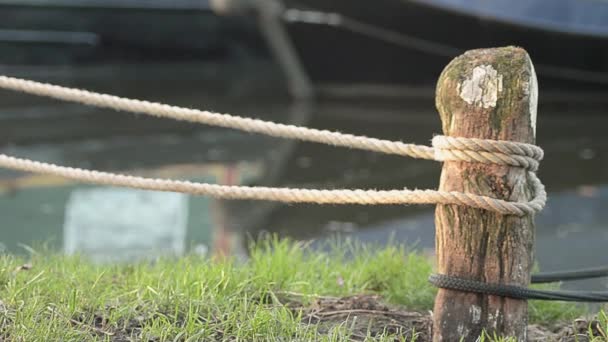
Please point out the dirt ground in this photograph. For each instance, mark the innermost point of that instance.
(367, 316)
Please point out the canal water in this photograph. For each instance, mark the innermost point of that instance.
(118, 224)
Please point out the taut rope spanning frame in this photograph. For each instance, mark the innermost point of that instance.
(444, 148)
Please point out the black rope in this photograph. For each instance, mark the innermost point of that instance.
(519, 292)
(585, 273)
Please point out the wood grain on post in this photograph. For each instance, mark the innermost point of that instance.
(488, 94)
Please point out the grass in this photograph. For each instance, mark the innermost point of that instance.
(283, 292)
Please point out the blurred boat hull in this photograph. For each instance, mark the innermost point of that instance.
(34, 32)
(568, 44)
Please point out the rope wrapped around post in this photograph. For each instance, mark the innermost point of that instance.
(444, 148)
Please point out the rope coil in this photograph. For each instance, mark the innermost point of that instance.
(444, 148)
(499, 152)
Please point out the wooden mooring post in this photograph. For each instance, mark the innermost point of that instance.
(487, 94)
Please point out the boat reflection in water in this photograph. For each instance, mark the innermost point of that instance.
(109, 224)
(117, 224)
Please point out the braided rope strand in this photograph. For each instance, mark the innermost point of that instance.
(364, 197)
(216, 119)
(487, 151)
(513, 291)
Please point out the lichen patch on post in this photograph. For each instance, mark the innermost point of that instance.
(475, 313)
(533, 93)
(482, 88)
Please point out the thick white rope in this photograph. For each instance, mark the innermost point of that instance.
(215, 119)
(444, 148)
(366, 197)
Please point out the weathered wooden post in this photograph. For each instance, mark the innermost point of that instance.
(487, 94)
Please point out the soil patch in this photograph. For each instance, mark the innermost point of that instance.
(363, 316)
(368, 316)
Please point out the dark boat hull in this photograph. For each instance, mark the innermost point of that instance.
(59, 35)
(337, 55)
(87, 35)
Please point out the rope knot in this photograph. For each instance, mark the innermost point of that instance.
(499, 152)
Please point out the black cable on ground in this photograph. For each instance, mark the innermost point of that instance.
(585, 273)
(517, 292)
